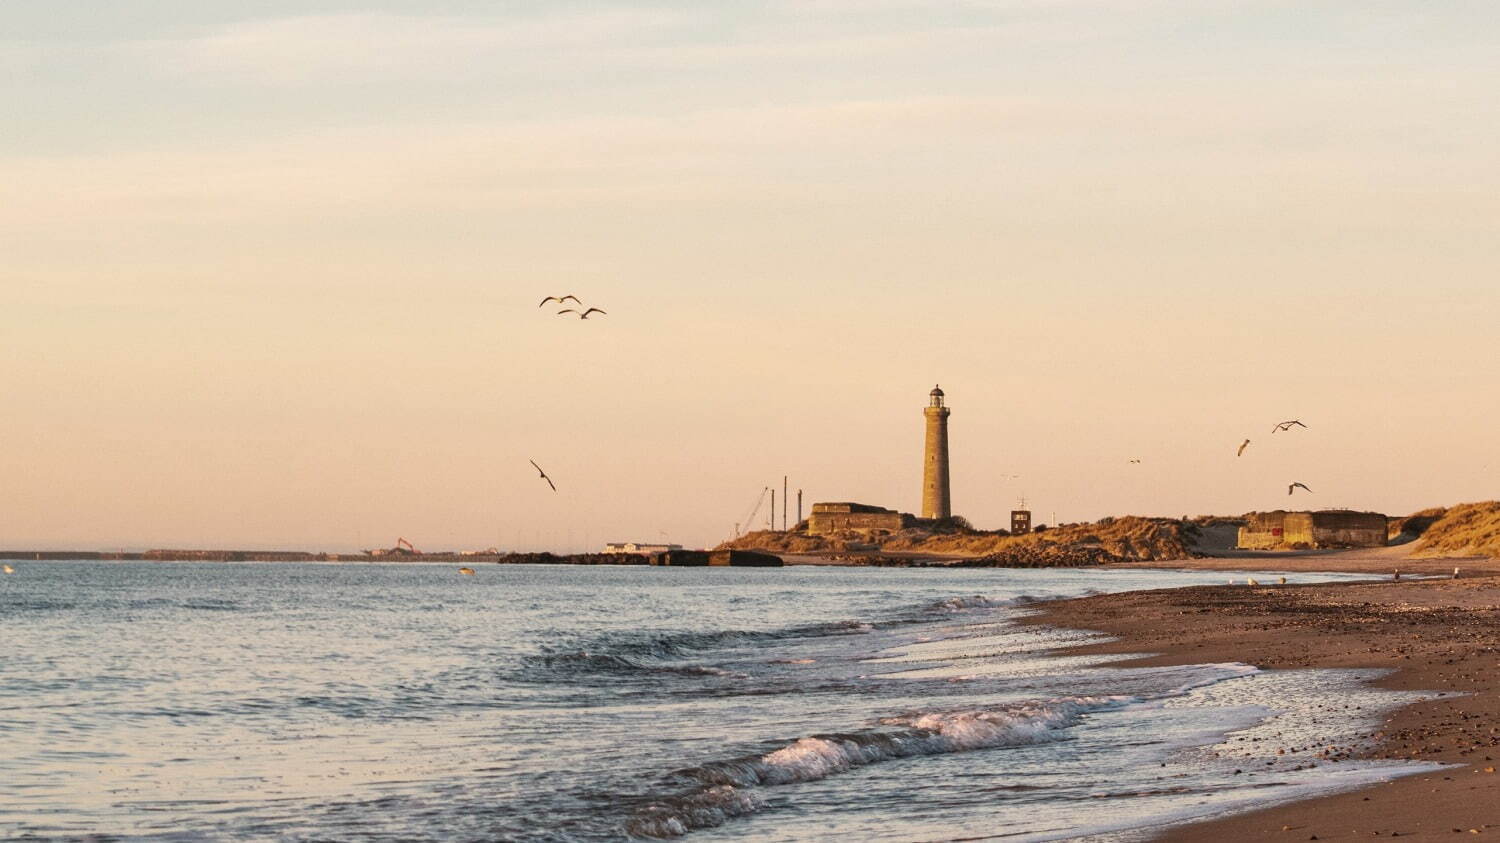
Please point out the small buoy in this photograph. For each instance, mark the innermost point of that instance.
(468, 572)
(1283, 580)
(10, 570)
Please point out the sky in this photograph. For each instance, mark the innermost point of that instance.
(271, 269)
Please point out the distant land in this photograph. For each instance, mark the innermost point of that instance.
(180, 555)
(1463, 531)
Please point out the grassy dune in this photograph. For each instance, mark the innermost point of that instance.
(1129, 538)
(1468, 529)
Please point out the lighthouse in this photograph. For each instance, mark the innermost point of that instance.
(935, 500)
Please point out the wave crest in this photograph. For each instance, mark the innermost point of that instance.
(970, 601)
(728, 787)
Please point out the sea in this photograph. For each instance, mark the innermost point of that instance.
(406, 701)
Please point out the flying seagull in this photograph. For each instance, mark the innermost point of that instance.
(1134, 461)
(560, 299)
(583, 315)
(1296, 486)
(1243, 445)
(543, 474)
(1287, 425)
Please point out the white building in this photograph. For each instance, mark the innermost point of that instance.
(638, 547)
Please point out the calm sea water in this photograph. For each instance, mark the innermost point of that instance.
(355, 702)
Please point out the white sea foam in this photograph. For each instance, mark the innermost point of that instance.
(972, 601)
(729, 786)
(1213, 674)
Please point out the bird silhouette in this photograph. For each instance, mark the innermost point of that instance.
(1293, 486)
(1134, 462)
(560, 299)
(543, 474)
(1287, 425)
(1243, 445)
(583, 315)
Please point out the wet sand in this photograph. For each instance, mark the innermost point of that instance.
(1436, 635)
(1380, 562)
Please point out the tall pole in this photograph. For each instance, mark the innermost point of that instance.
(771, 516)
(799, 506)
(783, 503)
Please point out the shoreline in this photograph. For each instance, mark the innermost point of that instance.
(1435, 635)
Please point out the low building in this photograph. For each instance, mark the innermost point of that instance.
(1329, 528)
(639, 547)
(853, 517)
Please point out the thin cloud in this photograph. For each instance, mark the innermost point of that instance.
(324, 48)
(362, 47)
(929, 7)
(727, 155)
(708, 153)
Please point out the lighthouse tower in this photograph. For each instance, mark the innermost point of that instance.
(935, 501)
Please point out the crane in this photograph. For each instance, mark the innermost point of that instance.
(750, 519)
(402, 548)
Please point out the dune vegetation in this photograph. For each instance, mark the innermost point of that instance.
(1468, 529)
(1129, 538)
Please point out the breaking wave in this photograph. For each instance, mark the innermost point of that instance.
(728, 789)
(972, 601)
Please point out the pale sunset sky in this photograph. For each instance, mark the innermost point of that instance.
(269, 270)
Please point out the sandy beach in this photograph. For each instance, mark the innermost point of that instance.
(1378, 562)
(1439, 635)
